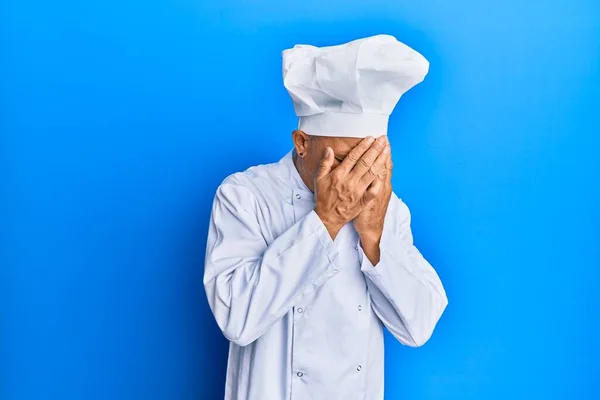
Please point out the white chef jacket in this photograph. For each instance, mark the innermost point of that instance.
(304, 314)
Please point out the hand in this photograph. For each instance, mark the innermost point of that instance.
(369, 222)
(341, 193)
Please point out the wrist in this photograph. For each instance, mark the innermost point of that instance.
(371, 236)
(333, 227)
(370, 245)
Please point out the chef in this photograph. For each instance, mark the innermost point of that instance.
(310, 257)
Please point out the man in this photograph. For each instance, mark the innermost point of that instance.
(309, 257)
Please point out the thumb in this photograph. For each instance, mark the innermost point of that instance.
(325, 164)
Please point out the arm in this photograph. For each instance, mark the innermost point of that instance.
(406, 292)
(251, 284)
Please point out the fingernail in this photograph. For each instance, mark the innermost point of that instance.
(386, 150)
(370, 139)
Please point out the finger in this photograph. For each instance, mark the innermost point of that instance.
(377, 170)
(389, 166)
(373, 191)
(355, 154)
(364, 164)
(325, 164)
(385, 171)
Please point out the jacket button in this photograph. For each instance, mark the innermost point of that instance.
(359, 307)
(300, 374)
(298, 196)
(300, 310)
(359, 367)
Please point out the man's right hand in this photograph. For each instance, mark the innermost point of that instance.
(341, 193)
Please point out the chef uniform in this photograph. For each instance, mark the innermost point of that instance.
(304, 314)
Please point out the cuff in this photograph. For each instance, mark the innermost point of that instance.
(390, 247)
(322, 234)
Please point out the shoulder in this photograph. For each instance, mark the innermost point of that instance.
(247, 186)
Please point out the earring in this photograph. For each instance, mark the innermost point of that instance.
(301, 154)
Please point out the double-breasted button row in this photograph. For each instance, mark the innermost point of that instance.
(300, 374)
(300, 310)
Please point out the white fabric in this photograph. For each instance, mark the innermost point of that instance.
(305, 314)
(350, 90)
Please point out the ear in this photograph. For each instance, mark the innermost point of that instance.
(301, 142)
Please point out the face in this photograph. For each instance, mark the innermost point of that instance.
(313, 148)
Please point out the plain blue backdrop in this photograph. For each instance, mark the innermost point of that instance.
(118, 120)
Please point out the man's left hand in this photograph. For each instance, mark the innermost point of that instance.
(369, 223)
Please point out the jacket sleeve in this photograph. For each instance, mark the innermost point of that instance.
(250, 284)
(406, 292)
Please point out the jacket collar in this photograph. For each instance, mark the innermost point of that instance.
(293, 178)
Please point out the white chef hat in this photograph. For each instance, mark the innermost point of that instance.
(350, 90)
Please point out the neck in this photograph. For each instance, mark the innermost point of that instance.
(299, 165)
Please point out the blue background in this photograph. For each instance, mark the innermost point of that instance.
(120, 118)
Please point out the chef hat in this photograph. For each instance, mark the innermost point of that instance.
(350, 90)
